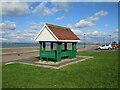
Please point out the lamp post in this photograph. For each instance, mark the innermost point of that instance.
(110, 38)
(84, 40)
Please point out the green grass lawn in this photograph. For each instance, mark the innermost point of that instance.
(98, 72)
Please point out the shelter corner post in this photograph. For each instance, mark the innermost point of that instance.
(74, 49)
(44, 46)
(40, 52)
(58, 51)
(65, 45)
(51, 46)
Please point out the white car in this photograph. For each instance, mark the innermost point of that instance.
(105, 46)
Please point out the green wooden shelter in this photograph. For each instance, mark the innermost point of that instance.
(59, 38)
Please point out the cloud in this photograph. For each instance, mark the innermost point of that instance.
(117, 30)
(8, 34)
(37, 24)
(1, 39)
(26, 35)
(94, 36)
(100, 13)
(77, 32)
(23, 35)
(89, 21)
(102, 37)
(91, 34)
(106, 25)
(16, 9)
(84, 23)
(33, 23)
(18, 37)
(61, 0)
(62, 5)
(97, 16)
(69, 25)
(59, 18)
(41, 9)
(35, 27)
(7, 25)
(94, 33)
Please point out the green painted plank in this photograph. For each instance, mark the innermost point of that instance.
(40, 52)
(58, 51)
(48, 54)
(73, 55)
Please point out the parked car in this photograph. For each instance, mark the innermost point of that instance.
(105, 46)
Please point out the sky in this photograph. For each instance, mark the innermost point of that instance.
(21, 21)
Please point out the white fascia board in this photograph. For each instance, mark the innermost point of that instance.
(68, 40)
(39, 33)
(47, 40)
(59, 40)
(51, 32)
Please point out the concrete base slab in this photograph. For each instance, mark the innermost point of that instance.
(55, 65)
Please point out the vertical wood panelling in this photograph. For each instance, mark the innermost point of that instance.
(40, 50)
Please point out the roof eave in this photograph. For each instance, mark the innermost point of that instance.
(68, 40)
(59, 40)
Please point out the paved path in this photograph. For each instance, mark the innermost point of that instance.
(35, 61)
(12, 57)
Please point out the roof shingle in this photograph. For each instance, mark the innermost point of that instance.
(62, 33)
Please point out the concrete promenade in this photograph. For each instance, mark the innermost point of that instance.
(16, 56)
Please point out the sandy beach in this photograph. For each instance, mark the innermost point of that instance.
(19, 50)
